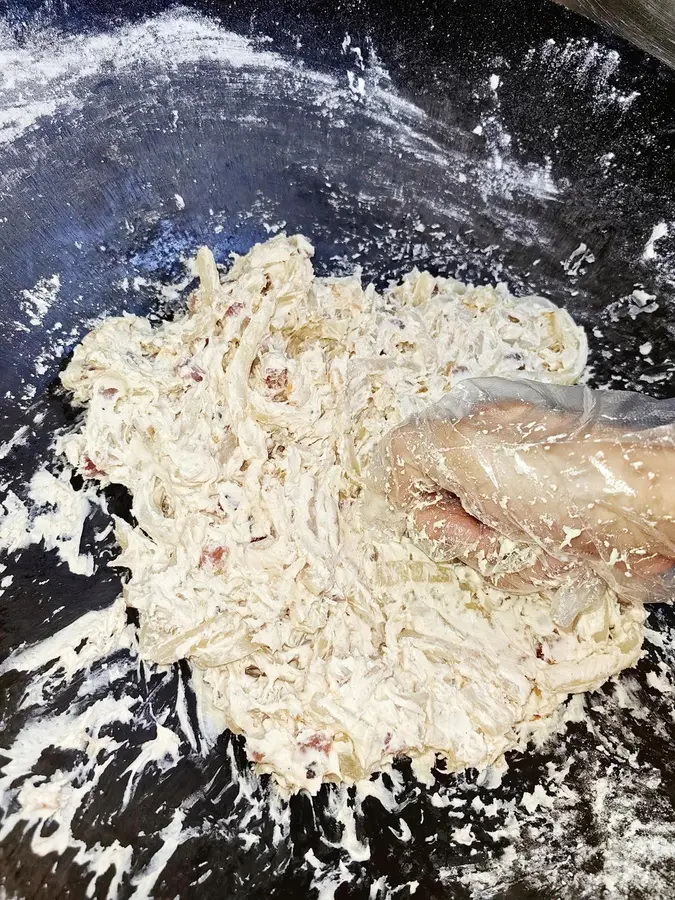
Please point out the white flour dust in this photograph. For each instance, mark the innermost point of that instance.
(41, 76)
(659, 231)
(37, 303)
(587, 64)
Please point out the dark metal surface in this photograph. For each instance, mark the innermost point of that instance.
(81, 180)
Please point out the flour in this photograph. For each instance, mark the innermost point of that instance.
(37, 303)
(44, 74)
(578, 260)
(502, 174)
(18, 439)
(39, 74)
(590, 66)
(659, 231)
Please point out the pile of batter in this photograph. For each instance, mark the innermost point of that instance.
(244, 431)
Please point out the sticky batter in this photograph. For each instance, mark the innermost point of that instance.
(244, 431)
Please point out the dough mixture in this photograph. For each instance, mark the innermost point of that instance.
(244, 431)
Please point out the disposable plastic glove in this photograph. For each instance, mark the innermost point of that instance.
(542, 488)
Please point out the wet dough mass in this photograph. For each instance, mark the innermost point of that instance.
(244, 430)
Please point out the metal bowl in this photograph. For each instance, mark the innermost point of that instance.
(502, 141)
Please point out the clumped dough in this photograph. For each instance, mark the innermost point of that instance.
(244, 430)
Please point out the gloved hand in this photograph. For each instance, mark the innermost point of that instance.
(543, 487)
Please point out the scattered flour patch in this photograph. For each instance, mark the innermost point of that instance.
(36, 302)
(578, 260)
(659, 231)
(18, 439)
(40, 73)
(588, 65)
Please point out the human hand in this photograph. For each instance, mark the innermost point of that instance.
(530, 482)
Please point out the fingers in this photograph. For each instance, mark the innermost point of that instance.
(444, 522)
(433, 451)
(452, 533)
(572, 486)
(410, 471)
(648, 567)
